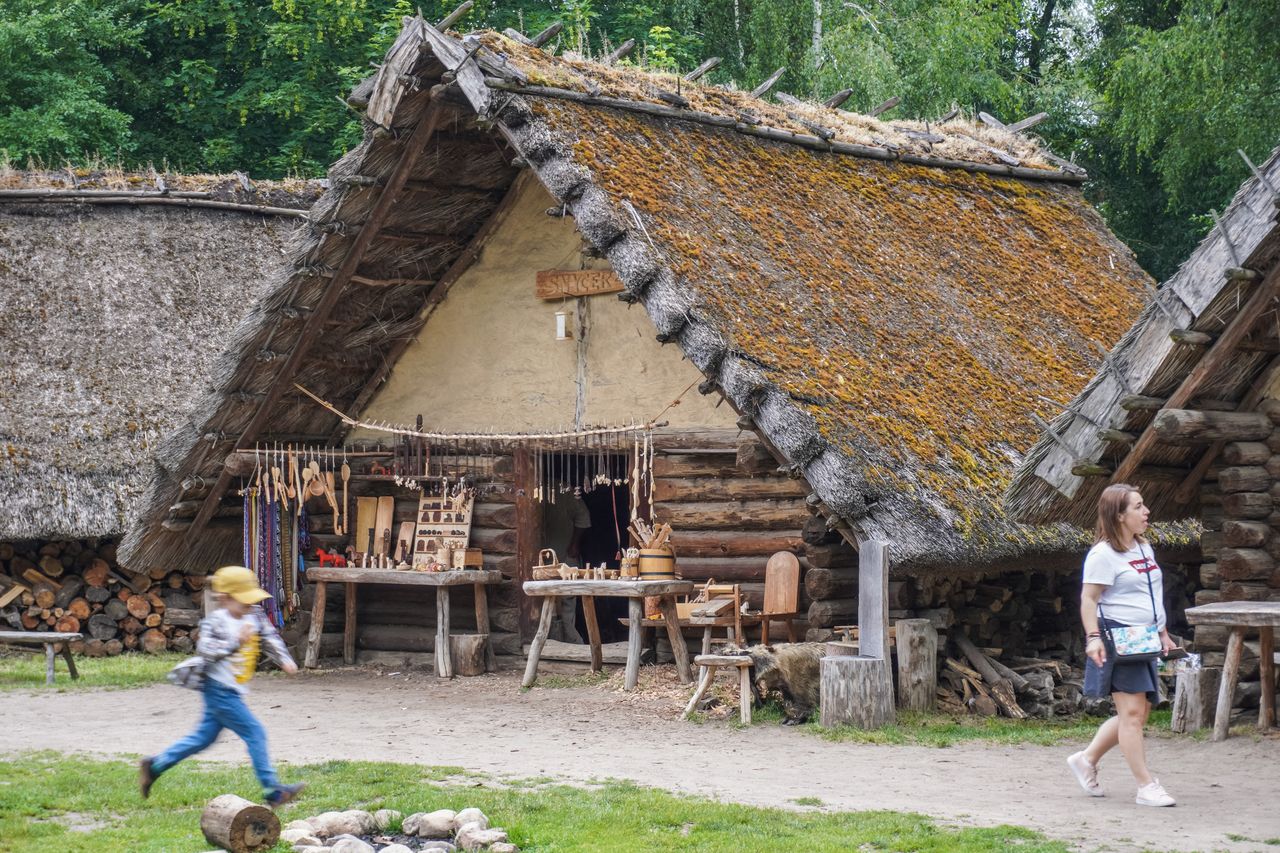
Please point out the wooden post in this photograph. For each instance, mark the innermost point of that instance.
(540, 640)
(48, 663)
(917, 664)
(1193, 699)
(528, 523)
(349, 627)
(444, 660)
(1227, 689)
(593, 632)
(482, 626)
(312, 656)
(678, 648)
(235, 824)
(635, 612)
(873, 599)
(1267, 664)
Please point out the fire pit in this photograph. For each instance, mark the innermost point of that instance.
(357, 831)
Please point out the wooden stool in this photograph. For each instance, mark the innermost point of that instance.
(707, 666)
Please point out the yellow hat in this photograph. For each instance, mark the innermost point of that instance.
(239, 583)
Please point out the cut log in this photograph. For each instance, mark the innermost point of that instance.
(1209, 575)
(97, 594)
(237, 825)
(1244, 478)
(113, 647)
(138, 606)
(153, 641)
(1242, 564)
(754, 458)
(816, 532)
(837, 556)
(153, 620)
(917, 664)
(1245, 534)
(186, 617)
(468, 653)
(67, 624)
(102, 627)
(95, 574)
(1194, 426)
(71, 587)
(45, 596)
(115, 609)
(94, 648)
(1001, 691)
(51, 566)
(79, 608)
(131, 625)
(856, 691)
(1194, 699)
(1249, 505)
(1246, 453)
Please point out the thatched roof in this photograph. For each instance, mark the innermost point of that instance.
(1152, 362)
(887, 314)
(113, 314)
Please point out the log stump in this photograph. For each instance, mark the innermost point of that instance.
(1194, 699)
(917, 664)
(468, 653)
(235, 824)
(857, 691)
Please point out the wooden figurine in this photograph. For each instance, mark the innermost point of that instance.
(330, 558)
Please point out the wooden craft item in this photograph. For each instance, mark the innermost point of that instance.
(782, 583)
(366, 518)
(385, 517)
(346, 514)
(404, 539)
(333, 502)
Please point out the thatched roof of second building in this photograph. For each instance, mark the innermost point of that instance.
(890, 327)
(115, 308)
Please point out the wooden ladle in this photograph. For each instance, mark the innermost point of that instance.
(346, 476)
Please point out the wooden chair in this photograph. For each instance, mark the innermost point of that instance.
(781, 594)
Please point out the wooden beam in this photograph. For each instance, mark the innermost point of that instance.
(1027, 123)
(417, 143)
(547, 35)
(705, 68)
(460, 265)
(455, 16)
(620, 51)
(1214, 358)
(885, 107)
(838, 98)
(763, 88)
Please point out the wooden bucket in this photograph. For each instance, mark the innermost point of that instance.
(657, 564)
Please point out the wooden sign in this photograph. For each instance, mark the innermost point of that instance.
(559, 284)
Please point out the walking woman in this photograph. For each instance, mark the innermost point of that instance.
(1123, 586)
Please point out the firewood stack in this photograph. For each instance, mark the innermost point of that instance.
(77, 586)
(975, 682)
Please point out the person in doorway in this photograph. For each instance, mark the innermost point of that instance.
(227, 656)
(1123, 586)
(564, 523)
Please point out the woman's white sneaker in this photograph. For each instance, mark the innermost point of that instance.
(1086, 774)
(1154, 794)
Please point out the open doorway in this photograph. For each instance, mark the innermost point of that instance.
(585, 521)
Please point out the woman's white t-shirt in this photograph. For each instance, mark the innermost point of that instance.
(1126, 599)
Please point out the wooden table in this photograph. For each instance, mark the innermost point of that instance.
(1239, 616)
(50, 640)
(635, 593)
(708, 624)
(477, 578)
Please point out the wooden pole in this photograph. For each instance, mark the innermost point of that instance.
(873, 599)
(1227, 688)
(311, 658)
(540, 640)
(444, 661)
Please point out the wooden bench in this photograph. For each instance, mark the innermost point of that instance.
(707, 666)
(51, 640)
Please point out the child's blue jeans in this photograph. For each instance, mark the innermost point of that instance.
(224, 708)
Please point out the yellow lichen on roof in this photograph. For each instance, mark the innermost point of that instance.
(918, 314)
(963, 139)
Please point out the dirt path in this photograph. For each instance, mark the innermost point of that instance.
(583, 733)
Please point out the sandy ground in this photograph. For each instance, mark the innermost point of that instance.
(582, 733)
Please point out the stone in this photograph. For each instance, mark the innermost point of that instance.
(442, 846)
(350, 844)
(470, 816)
(395, 848)
(329, 824)
(299, 824)
(503, 847)
(300, 836)
(472, 836)
(364, 820)
(383, 818)
(310, 848)
(437, 824)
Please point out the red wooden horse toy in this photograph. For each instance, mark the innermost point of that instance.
(330, 558)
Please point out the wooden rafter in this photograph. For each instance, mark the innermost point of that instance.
(414, 147)
(1214, 358)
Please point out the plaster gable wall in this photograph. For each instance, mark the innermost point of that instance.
(488, 359)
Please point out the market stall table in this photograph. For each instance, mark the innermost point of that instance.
(1240, 616)
(54, 642)
(477, 578)
(635, 592)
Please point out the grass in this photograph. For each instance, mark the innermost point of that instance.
(556, 681)
(25, 671)
(76, 805)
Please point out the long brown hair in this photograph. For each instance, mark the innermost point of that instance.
(1112, 503)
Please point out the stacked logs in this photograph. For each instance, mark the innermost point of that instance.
(76, 586)
(1240, 512)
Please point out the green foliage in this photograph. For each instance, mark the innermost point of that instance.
(1152, 96)
(48, 802)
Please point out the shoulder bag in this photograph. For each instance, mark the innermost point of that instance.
(1137, 643)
